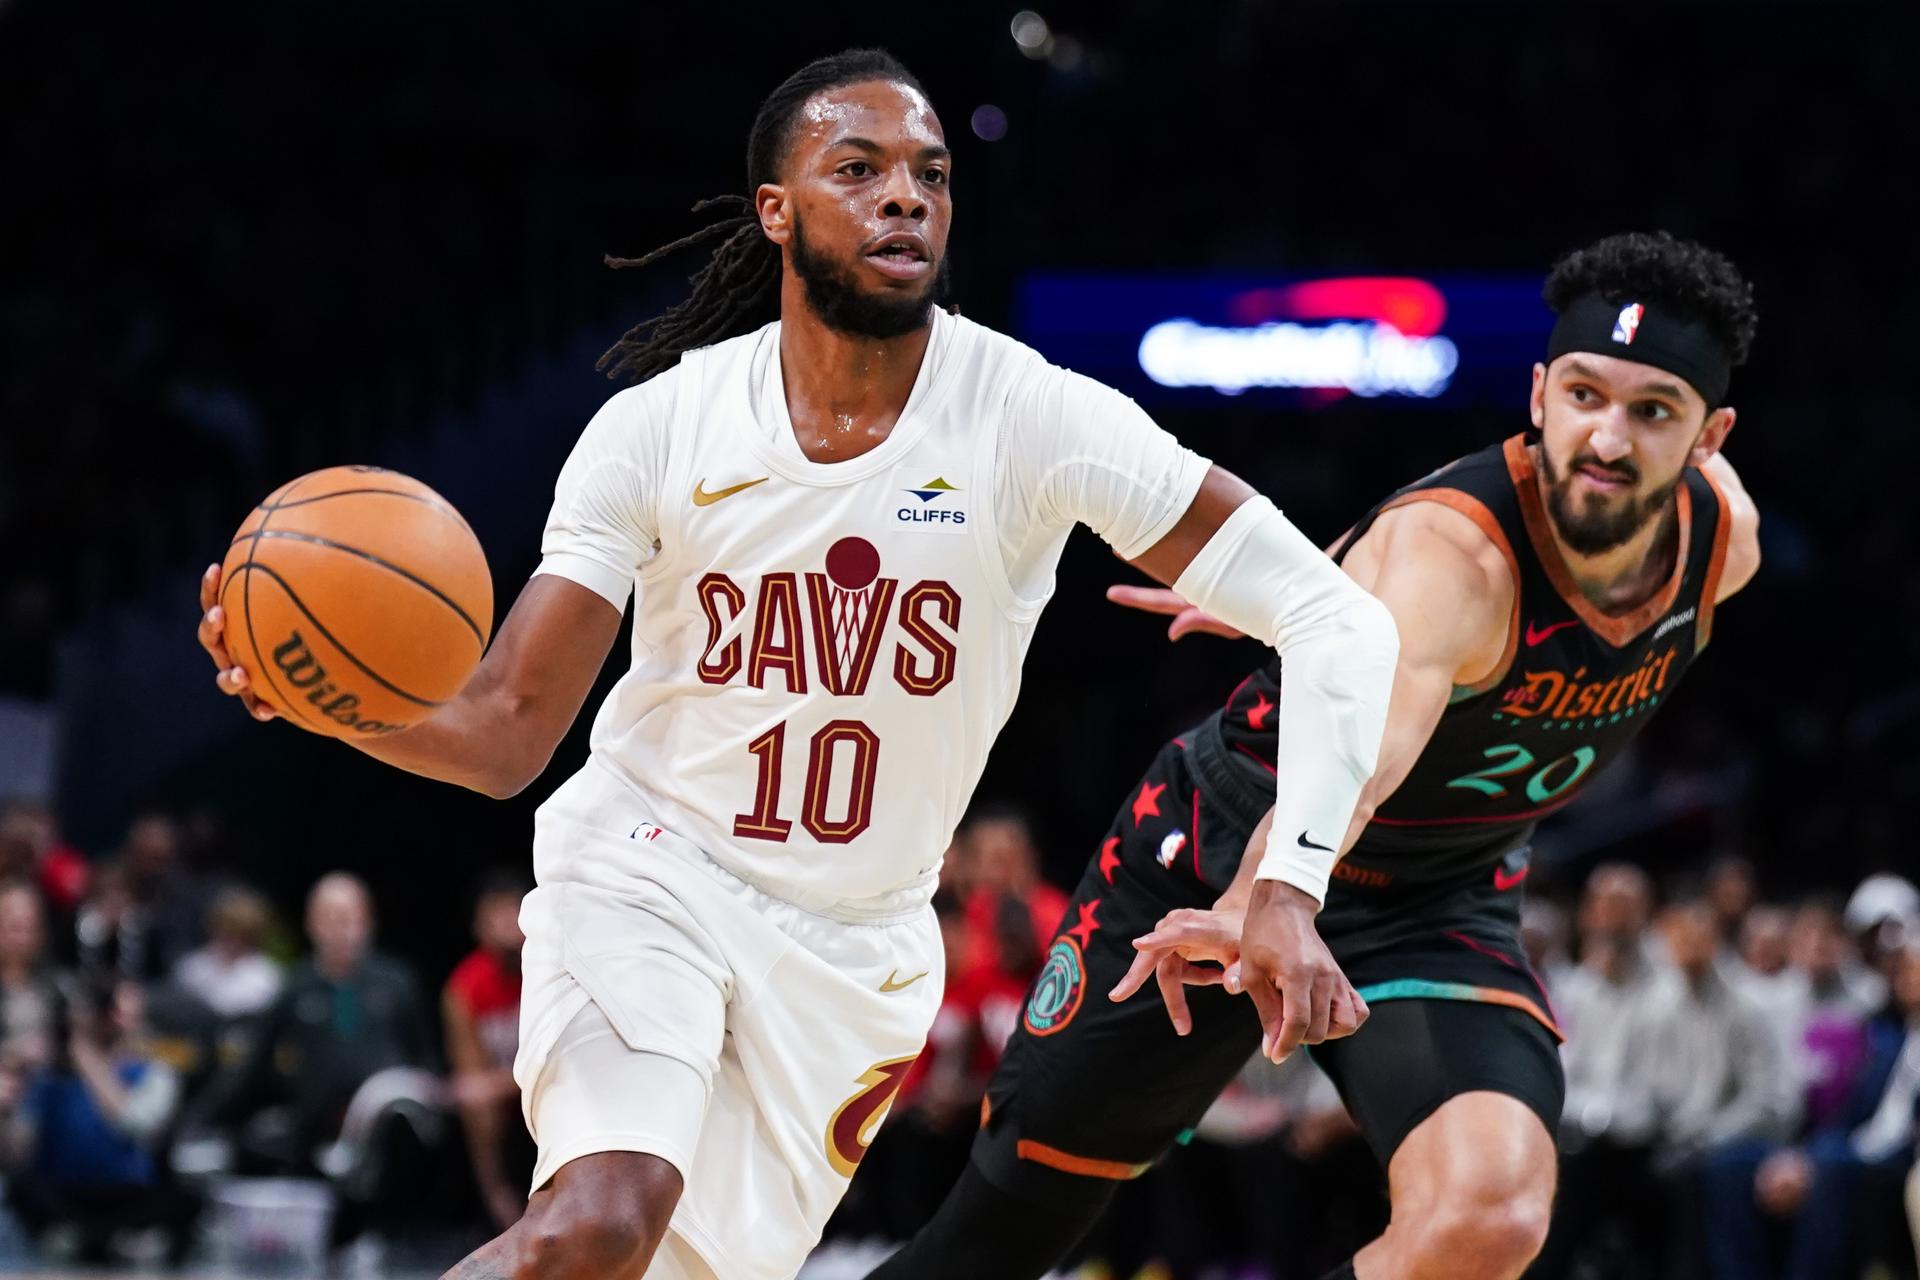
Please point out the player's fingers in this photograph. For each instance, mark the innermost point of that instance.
(1147, 599)
(1136, 975)
(1174, 991)
(209, 587)
(1319, 1009)
(1346, 1013)
(212, 635)
(1296, 996)
(1267, 1001)
(1230, 978)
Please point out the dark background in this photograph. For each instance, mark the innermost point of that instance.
(238, 242)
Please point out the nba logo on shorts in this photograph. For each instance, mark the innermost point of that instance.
(1628, 324)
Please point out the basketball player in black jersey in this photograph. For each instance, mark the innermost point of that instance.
(1550, 594)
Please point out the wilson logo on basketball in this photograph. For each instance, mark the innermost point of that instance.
(841, 616)
(300, 669)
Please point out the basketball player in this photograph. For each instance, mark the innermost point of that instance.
(1549, 595)
(839, 508)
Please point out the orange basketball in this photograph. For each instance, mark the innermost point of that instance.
(357, 600)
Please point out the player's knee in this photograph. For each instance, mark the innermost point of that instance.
(607, 1224)
(1484, 1237)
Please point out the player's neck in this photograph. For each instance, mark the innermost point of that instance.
(844, 392)
(1625, 577)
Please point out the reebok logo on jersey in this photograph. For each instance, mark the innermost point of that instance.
(1680, 619)
(702, 497)
(929, 517)
(1535, 635)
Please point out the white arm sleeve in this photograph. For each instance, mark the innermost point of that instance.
(1339, 646)
(602, 527)
(1078, 452)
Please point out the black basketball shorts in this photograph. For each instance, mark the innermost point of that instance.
(1094, 1089)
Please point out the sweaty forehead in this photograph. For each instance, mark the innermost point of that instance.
(885, 111)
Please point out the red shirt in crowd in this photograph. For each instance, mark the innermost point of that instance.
(490, 991)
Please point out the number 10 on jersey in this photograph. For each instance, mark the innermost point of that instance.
(839, 745)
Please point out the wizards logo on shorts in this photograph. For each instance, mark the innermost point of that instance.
(1058, 989)
(1628, 324)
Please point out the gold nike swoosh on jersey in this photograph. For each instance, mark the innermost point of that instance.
(891, 985)
(702, 498)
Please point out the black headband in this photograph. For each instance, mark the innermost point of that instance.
(1645, 335)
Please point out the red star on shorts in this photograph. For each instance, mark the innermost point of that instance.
(1088, 926)
(1109, 856)
(1147, 803)
(1257, 714)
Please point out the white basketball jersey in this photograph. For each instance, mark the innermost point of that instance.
(823, 653)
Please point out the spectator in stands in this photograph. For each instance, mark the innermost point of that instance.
(1004, 862)
(1882, 914)
(232, 974)
(31, 848)
(480, 1009)
(168, 900)
(1839, 1187)
(345, 1014)
(1764, 949)
(1731, 890)
(1722, 1071)
(85, 1134)
(26, 989)
(1831, 995)
(1611, 1009)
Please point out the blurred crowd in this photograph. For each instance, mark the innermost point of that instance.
(1742, 1074)
(164, 1035)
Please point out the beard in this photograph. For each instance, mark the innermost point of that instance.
(1600, 525)
(843, 306)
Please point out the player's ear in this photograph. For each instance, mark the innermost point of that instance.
(1713, 436)
(770, 202)
(1537, 402)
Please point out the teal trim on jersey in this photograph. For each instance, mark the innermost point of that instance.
(1422, 989)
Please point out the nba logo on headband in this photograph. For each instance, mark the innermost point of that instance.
(1628, 324)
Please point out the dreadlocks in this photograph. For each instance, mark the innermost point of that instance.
(738, 290)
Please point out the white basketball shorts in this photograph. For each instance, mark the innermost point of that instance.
(675, 1010)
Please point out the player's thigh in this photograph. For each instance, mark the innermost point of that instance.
(1091, 1086)
(817, 1048)
(1414, 1058)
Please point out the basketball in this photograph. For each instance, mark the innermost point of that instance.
(357, 599)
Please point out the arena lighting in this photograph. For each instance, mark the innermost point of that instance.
(1369, 336)
(1224, 337)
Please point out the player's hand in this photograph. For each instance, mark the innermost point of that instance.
(1181, 952)
(1302, 995)
(213, 638)
(1187, 619)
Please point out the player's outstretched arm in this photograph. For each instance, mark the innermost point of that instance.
(1450, 594)
(497, 733)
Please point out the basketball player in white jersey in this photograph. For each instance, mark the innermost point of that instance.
(838, 508)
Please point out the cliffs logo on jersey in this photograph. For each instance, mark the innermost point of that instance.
(841, 615)
(937, 511)
(1562, 697)
(1058, 989)
(1628, 324)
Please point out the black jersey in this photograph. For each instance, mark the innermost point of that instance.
(1573, 688)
